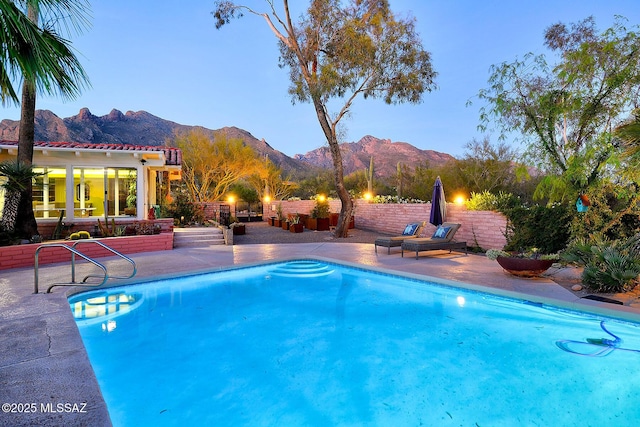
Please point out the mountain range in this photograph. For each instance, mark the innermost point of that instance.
(142, 128)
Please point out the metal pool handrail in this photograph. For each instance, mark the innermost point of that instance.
(113, 251)
(75, 252)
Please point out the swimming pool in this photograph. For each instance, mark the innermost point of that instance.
(310, 343)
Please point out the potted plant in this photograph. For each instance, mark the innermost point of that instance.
(304, 220)
(238, 228)
(524, 264)
(321, 212)
(295, 225)
(279, 216)
(312, 222)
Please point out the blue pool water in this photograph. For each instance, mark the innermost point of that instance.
(312, 344)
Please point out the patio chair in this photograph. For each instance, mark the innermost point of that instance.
(411, 231)
(442, 239)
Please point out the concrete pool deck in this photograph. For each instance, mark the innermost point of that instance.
(46, 377)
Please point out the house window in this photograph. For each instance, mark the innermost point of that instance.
(88, 197)
(97, 189)
(49, 192)
(122, 191)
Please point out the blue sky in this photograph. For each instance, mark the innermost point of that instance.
(167, 58)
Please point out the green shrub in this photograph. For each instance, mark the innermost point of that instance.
(543, 227)
(184, 211)
(609, 265)
(614, 214)
(321, 209)
(487, 201)
(395, 199)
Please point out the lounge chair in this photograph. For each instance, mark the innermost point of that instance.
(411, 231)
(442, 239)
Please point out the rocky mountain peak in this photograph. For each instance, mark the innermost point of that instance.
(83, 115)
(143, 128)
(115, 116)
(386, 156)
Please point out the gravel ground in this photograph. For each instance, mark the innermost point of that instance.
(262, 232)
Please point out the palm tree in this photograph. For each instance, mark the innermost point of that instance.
(45, 62)
(16, 174)
(40, 55)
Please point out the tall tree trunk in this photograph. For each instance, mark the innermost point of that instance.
(26, 225)
(10, 210)
(346, 211)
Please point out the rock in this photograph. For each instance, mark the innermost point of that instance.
(576, 288)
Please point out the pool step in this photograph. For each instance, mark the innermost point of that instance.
(197, 237)
(302, 269)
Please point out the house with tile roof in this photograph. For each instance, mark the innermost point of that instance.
(83, 181)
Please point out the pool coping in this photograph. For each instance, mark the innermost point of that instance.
(44, 361)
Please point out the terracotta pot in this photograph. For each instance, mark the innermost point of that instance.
(323, 224)
(239, 229)
(285, 225)
(312, 223)
(524, 267)
(296, 228)
(333, 219)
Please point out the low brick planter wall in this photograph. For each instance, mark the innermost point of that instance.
(47, 227)
(18, 256)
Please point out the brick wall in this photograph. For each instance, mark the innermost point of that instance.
(17, 256)
(479, 228)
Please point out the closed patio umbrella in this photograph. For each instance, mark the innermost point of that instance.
(438, 204)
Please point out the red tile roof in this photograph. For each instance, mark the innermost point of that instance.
(173, 155)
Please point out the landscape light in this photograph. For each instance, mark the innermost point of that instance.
(459, 200)
(321, 198)
(231, 199)
(368, 196)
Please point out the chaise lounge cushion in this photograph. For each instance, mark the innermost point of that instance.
(448, 230)
(411, 231)
(441, 232)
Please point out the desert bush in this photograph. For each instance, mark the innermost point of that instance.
(609, 265)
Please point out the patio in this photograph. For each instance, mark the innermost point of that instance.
(43, 361)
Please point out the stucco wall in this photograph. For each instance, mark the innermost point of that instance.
(479, 228)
